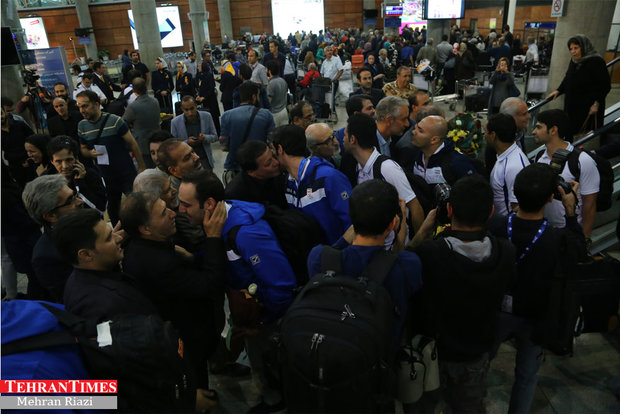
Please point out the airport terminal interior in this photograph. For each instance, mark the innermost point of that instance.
(50, 42)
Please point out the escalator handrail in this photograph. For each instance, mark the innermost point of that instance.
(547, 100)
(583, 140)
(539, 104)
(613, 61)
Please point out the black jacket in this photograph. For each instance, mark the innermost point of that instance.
(188, 294)
(563, 247)
(71, 105)
(51, 270)
(375, 94)
(246, 188)
(104, 294)
(462, 296)
(106, 86)
(59, 126)
(161, 80)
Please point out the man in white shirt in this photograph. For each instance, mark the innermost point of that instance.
(531, 56)
(87, 85)
(359, 139)
(551, 126)
(332, 66)
(500, 135)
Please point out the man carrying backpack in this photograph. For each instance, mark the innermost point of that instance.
(349, 318)
(466, 273)
(541, 248)
(550, 129)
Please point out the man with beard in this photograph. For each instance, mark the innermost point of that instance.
(364, 77)
(106, 137)
(197, 129)
(178, 285)
(66, 120)
(178, 159)
(135, 65)
(61, 91)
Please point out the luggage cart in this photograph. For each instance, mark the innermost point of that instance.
(536, 83)
(465, 88)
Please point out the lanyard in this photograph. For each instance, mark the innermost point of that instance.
(539, 233)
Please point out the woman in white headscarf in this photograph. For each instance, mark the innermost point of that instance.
(586, 84)
(184, 84)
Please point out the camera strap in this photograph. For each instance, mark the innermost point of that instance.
(528, 248)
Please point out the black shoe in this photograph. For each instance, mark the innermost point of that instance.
(264, 408)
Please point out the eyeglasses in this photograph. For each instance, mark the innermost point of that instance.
(329, 140)
(69, 201)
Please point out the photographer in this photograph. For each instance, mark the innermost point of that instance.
(550, 129)
(540, 248)
(63, 152)
(465, 273)
(37, 99)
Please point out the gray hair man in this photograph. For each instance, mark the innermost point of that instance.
(392, 116)
(322, 142)
(155, 181)
(47, 198)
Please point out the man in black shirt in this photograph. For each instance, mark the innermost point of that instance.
(539, 248)
(364, 77)
(260, 180)
(466, 273)
(14, 132)
(135, 65)
(66, 121)
(61, 91)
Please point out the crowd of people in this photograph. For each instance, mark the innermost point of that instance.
(473, 267)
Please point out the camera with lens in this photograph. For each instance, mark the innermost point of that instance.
(441, 197)
(30, 78)
(558, 161)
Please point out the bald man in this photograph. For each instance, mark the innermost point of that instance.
(66, 121)
(321, 141)
(438, 161)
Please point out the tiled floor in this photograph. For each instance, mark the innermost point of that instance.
(567, 385)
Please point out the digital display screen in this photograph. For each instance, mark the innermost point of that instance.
(393, 11)
(445, 9)
(36, 37)
(290, 16)
(169, 24)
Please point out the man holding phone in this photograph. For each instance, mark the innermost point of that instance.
(197, 129)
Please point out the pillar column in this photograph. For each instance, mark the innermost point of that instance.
(226, 28)
(368, 5)
(12, 80)
(596, 27)
(200, 28)
(147, 32)
(436, 28)
(83, 13)
(510, 16)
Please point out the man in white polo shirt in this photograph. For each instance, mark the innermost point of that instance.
(551, 127)
(359, 140)
(500, 134)
(332, 65)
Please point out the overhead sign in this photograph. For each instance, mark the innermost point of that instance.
(36, 37)
(169, 24)
(557, 8)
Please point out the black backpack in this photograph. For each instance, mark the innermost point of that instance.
(297, 234)
(606, 173)
(335, 341)
(141, 354)
(117, 106)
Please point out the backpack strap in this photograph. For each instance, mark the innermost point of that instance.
(376, 167)
(379, 266)
(247, 128)
(573, 163)
(72, 322)
(538, 155)
(105, 120)
(331, 259)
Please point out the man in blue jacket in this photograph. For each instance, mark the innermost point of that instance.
(314, 186)
(255, 258)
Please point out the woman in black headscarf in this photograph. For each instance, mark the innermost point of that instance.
(585, 84)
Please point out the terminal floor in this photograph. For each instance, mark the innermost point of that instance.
(567, 385)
